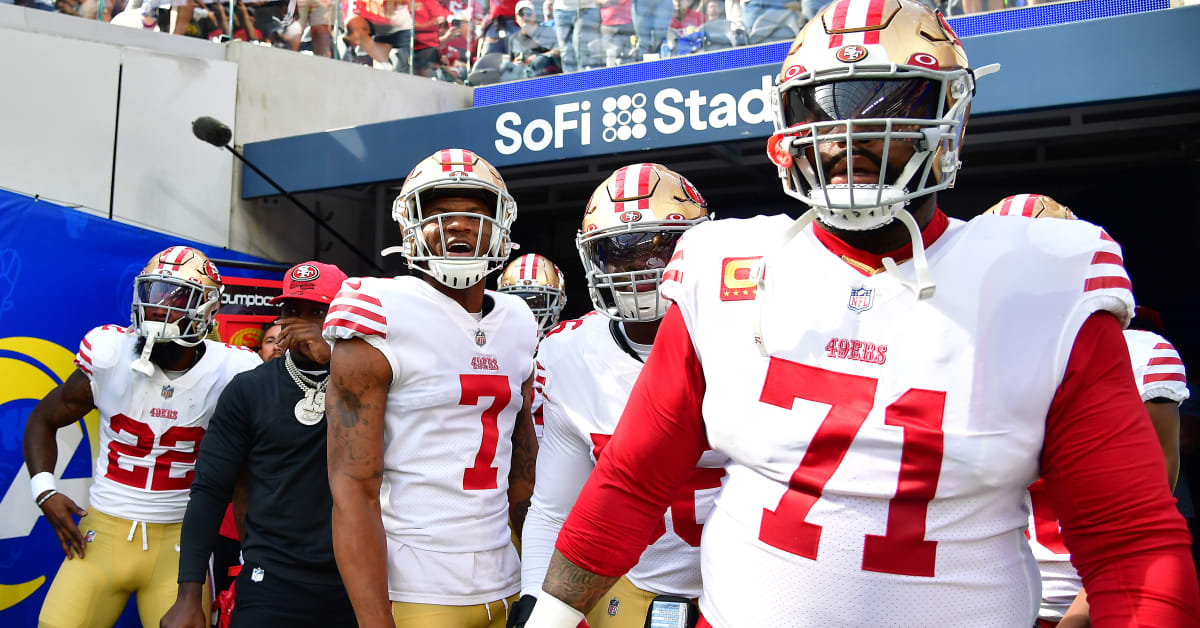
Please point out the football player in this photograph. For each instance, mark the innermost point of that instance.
(1162, 383)
(537, 281)
(587, 367)
(882, 432)
(155, 384)
(429, 399)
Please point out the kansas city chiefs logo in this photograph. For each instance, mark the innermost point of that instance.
(305, 272)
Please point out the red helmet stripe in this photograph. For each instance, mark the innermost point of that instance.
(1030, 202)
(643, 189)
(444, 157)
(874, 18)
(619, 186)
(468, 161)
(839, 22)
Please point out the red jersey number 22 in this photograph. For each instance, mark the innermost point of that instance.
(903, 549)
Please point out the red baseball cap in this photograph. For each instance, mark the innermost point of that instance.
(311, 281)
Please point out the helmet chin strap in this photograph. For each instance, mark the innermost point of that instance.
(923, 286)
(143, 364)
(758, 274)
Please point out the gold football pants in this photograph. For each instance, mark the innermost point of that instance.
(490, 615)
(624, 606)
(93, 590)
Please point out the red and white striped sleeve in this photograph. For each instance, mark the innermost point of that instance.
(99, 349)
(355, 313)
(1157, 368)
(1106, 282)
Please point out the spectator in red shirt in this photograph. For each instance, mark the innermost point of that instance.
(685, 15)
(428, 18)
(501, 24)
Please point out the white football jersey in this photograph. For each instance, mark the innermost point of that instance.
(151, 427)
(451, 411)
(880, 455)
(587, 377)
(1158, 372)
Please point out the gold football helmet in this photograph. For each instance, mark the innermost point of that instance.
(176, 297)
(629, 231)
(454, 172)
(540, 284)
(861, 73)
(1032, 206)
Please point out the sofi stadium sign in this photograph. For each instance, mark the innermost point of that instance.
(649, 115)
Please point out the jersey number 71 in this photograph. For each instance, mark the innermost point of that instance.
(903, 549)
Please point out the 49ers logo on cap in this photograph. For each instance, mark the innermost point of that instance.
(631, 215)
(305, 272)
(851, 53)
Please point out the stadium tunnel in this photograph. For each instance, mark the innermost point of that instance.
(1090, 108)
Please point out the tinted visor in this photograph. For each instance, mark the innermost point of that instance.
(859, 99)
(535, 300)
(167, 294)
(633, 251)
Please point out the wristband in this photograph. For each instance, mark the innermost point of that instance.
(41, 482)
(45, 498)
(551, 612)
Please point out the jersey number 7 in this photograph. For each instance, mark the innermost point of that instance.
(903, 549)
(482, 475)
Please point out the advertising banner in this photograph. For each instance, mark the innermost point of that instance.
(63, 272)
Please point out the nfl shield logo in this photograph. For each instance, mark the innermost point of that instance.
(480, 337)
(860, 299)
(168, 392)
(613, 604)
(89, 536)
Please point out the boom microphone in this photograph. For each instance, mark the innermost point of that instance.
(212, 130)
(215, 132)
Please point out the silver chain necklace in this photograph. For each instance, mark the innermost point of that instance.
(311, 409)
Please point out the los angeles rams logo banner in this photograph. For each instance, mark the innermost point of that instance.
(62, 272)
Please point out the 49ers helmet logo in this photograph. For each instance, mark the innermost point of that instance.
(305, 272)
(631, 216)
(851, 53)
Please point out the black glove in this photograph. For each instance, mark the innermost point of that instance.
(520, 612)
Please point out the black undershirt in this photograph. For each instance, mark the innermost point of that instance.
(289, 506)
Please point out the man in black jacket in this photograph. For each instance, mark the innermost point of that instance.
(270, 421)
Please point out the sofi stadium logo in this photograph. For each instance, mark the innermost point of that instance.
(633, 116)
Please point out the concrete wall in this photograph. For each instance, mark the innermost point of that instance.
(281, 94)
(102, 122)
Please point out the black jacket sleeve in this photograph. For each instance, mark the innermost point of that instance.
(223, 453)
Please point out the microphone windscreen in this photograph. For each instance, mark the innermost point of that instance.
(212, 131)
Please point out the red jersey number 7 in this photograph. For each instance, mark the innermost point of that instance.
(903, 549)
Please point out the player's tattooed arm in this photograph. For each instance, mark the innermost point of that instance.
(63, 406)
(524, 459)
(577, 587)
(355, 399)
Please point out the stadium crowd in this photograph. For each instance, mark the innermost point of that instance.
(873, 414)
(478, 41)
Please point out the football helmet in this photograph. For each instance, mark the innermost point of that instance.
(630, 227)
(1032, 206)
(862, 73)
(175, 299)
(540, 284)
(453, 172)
